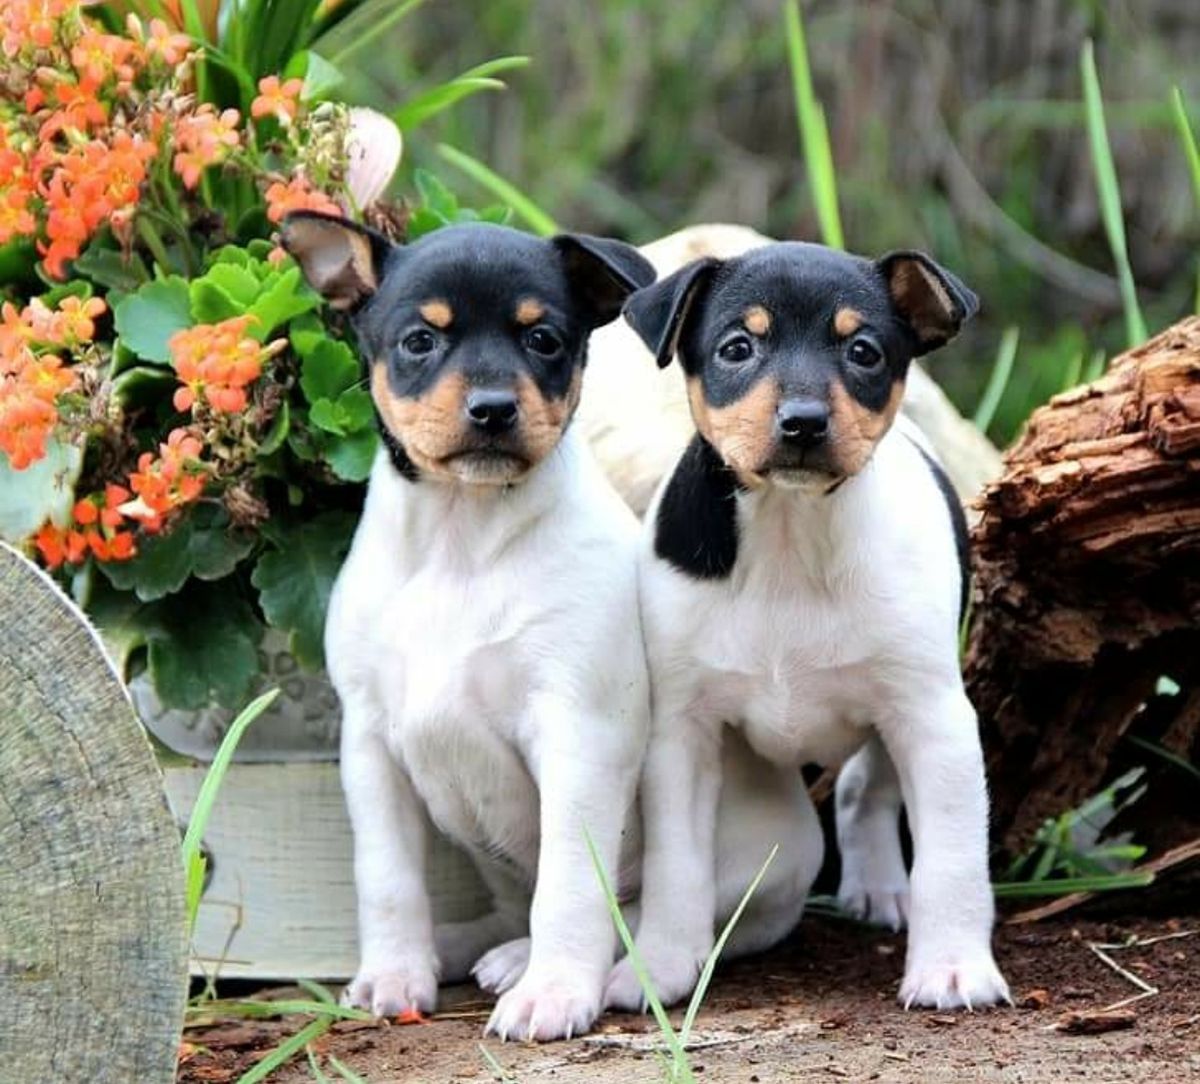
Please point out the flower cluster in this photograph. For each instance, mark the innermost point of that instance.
(217, 362)
(97, 523)
(168, 481)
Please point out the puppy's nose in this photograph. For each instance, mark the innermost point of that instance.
(803, 422)
(492, 411)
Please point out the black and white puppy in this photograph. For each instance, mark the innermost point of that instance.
(803, 573)
(483, 635)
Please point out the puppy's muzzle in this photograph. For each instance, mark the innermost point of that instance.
(490, 411)
(802, 423)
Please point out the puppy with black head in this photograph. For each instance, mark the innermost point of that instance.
(483, 635)
(803, 575)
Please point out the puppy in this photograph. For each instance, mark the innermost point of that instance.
(802, 576)
(483, 635)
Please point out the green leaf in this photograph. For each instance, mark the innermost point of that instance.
(357, 408)
(305, 332)
(320, 77)
(423, 221)
(435, 195)
(328, 369)
(147, 318)
(204, 647)
(211, 304)
(352, 456)
(417, 110)
(1187, 139)
(295, 579)
(278, 432)
(286, 297)
(200, 544)
(324, 414)
(109, 268)
(143, 386)
(44, 490)
(539, 221)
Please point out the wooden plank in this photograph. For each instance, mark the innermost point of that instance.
(92, 938)
(281, 895)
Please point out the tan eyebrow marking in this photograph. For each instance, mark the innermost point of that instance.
(846, 321)
(437, 312)
(757, 320)
(530, 311)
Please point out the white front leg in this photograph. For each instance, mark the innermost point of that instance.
(935, 747)
(586, 769)
(397, 962)
(681, 784)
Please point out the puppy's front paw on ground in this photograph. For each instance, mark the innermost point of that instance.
(969, 983)
(392, 992)
(672, 974)
(881, 905)
(545, 1008)
(499, 969)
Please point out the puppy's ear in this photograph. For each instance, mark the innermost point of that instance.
(659, 312)
(341, 260)
(932, 301)
(602, 273)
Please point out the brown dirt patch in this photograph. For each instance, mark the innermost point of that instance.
(819, 1008)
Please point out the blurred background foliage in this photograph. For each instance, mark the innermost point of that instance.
(957, 126)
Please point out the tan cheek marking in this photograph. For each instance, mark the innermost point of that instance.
(846, 321)
(855, 429)
(543, 420)
(743, 433)
(437, 313)
(530, 311)
(757, 320)
(429, 428)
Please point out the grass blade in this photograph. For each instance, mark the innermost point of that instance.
(1094, 369)
(193, 859)
(496, 1068)
(1188, 138)
(814, 132)
(1110, 195)
(370, 32)
(265, 1010)
(537, 219)
(318, 1074)
(416, 111)
(286, 1050)
(998, 380)
(710, 964)
(679, 1060)
(495, 66)
(346, 1073)
(319, 992)
(1171, 758)
(1064, 886)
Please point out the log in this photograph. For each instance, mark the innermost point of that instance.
(1087, 594)
(93, 947)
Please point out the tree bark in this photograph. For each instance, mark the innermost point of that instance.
(93, 949)
(1087, 590)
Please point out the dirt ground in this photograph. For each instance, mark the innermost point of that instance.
(819, 1008)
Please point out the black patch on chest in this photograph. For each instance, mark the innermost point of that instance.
(696, 525)
(958, 521)
(405, 467)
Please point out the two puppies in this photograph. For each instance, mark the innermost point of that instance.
(800, 586)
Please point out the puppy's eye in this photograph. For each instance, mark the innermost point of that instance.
(737, 349)
(543, 341)
(418, 343)
(865, 354)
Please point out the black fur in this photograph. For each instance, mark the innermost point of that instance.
(958, 521)
(696, 526)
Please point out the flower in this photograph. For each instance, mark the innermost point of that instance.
(296, 195)
(277, 99)
(205, 138)
(217, 362)
(373, 150)
(26, 422)
(175, 478)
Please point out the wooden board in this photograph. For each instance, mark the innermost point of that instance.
(92, 939)
(281, 896)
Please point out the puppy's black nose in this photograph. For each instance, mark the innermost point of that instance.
(803, 422)
(492, 411)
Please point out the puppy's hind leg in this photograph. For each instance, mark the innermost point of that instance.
(867, 801)
(761, 806)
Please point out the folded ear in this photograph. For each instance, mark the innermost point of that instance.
(658, 313)
(341, 260)
(602, 273)
(932, 301)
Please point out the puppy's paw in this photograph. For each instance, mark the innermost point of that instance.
(392, 991)
(879, 904)
(545, 1007)
(499, 969)
(672, 973)
(969, 982)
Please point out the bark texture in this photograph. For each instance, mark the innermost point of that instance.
(93, 950)
(1087, 562)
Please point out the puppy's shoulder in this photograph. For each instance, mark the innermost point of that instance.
(693, 523)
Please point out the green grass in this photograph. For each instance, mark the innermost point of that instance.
(523, 207)
(814, 131)
(998, 379)
(1187, 139)
(1110, 195)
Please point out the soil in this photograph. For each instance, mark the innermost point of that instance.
(821, 1007)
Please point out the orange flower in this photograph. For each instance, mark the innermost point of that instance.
(78, 109)
(218, 362)
(277, 99)
(204, 139)
(46, 378)
(296, 195)
(16, 220)
(26, 422)
(77, 318)
(31, 22)
(162, 485)
(96, 56)
(173, 48)
(100, 518)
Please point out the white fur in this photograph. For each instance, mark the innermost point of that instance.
(486, 647)
(840, 616)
